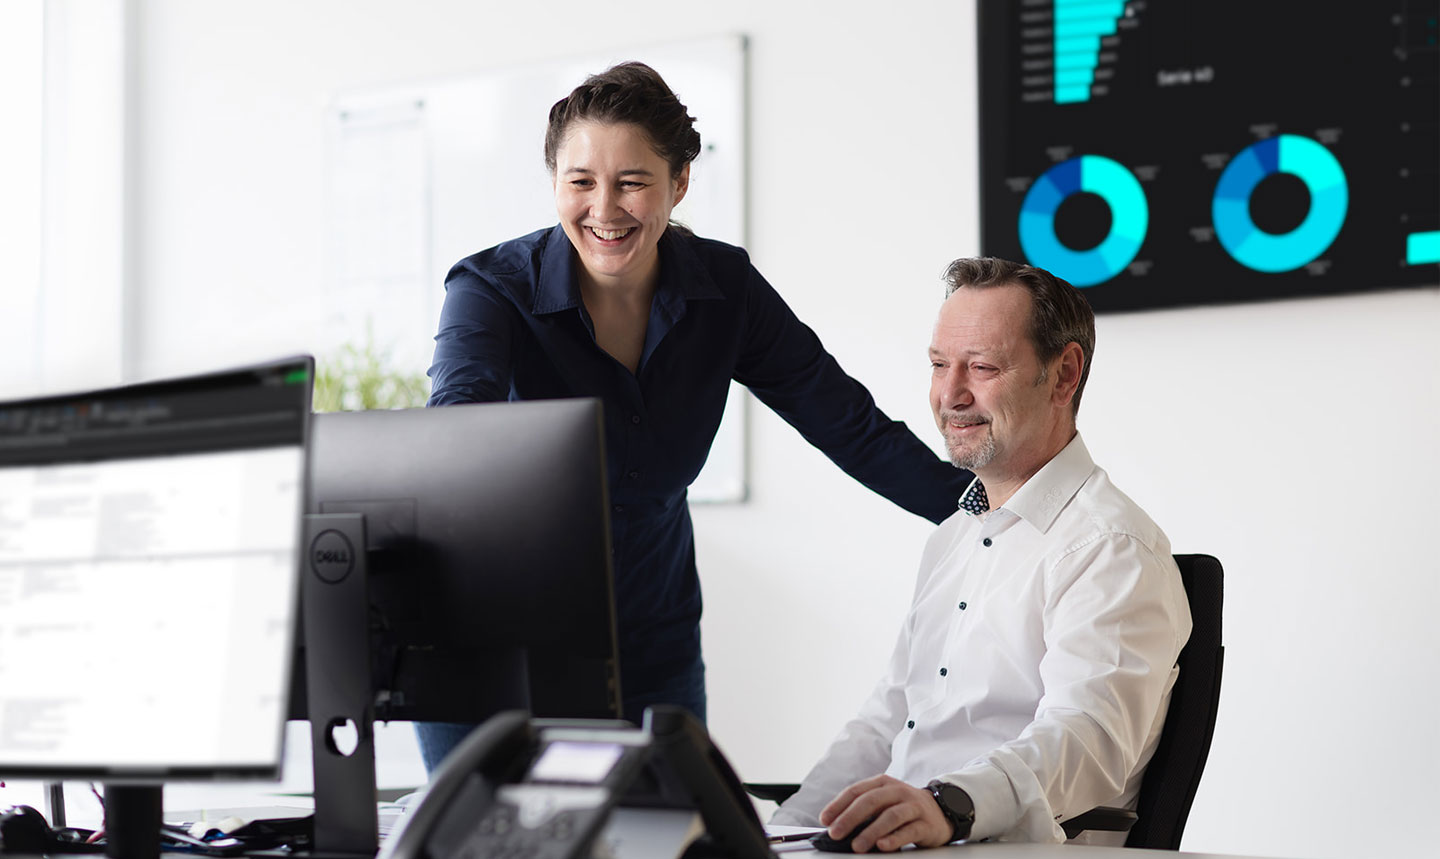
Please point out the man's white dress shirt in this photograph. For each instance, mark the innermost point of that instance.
(1035, 665)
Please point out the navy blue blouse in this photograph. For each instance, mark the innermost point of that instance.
(514, 327)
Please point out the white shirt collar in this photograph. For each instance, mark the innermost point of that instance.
(1041, 498)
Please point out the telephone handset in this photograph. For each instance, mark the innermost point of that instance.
(544, 789)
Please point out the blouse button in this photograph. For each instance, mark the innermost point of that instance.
(963, 605)
(910, 724)
(987, 542)
(943, 672)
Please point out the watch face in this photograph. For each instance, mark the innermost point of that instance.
(957, 800)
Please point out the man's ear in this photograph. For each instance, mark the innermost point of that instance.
(1068, 368)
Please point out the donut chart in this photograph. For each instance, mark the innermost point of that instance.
(1129, 219)
(1302, 158)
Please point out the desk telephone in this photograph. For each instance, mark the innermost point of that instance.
(545, 789)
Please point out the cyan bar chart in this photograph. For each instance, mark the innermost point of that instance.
(1070, 47)
(1079, 26)
(1423, 248)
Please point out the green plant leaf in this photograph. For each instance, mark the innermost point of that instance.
(358, 377)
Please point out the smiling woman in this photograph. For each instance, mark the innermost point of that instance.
(614, 194)
(618, 302)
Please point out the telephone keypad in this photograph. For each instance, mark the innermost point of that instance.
(500, 835)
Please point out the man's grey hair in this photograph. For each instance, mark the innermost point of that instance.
(1059, 314)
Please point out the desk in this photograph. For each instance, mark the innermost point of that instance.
(983, 851)
(1053, 851)
(987, 851)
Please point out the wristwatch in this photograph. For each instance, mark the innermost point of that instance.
(955, 804)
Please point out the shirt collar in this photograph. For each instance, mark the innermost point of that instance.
(682, 271)
(682, 276)
(558, 289)
(1044, 495)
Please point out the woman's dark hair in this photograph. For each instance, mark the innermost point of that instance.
(631, 93)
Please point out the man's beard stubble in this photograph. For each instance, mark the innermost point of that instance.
(977, 457)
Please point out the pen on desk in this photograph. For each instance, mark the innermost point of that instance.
(792, 836)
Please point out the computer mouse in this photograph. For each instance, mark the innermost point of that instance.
(824, 842)
(23, 830)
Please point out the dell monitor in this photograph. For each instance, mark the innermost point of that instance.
(457, 565)
(150, 533)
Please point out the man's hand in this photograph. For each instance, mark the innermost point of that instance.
(903, 815)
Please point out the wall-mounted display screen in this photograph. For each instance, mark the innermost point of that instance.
(1161, 154)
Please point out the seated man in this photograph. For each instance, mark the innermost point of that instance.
(1034, 669)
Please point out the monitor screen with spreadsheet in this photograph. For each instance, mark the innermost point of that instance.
(149, 556)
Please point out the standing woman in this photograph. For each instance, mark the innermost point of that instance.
(617, 302)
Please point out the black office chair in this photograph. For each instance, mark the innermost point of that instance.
(1173, 775)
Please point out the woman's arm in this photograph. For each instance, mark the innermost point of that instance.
(474, 356)
(783, 362)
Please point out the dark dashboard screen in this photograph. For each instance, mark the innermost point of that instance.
(1161, 154)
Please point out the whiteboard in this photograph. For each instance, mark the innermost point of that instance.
(421, 175)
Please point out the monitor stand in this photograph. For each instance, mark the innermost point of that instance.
(336, 604)
(340, 692)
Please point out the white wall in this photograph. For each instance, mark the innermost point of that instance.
(1296, 441)
(61, 195)
(22, 87)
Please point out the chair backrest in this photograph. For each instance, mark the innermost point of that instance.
(1173, 774)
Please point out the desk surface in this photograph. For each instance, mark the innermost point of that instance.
(989, 850)
(993, 851)
(1058, 851)
(981, 851)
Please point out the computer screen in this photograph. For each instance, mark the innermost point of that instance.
(149, 556)
(488, 546)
